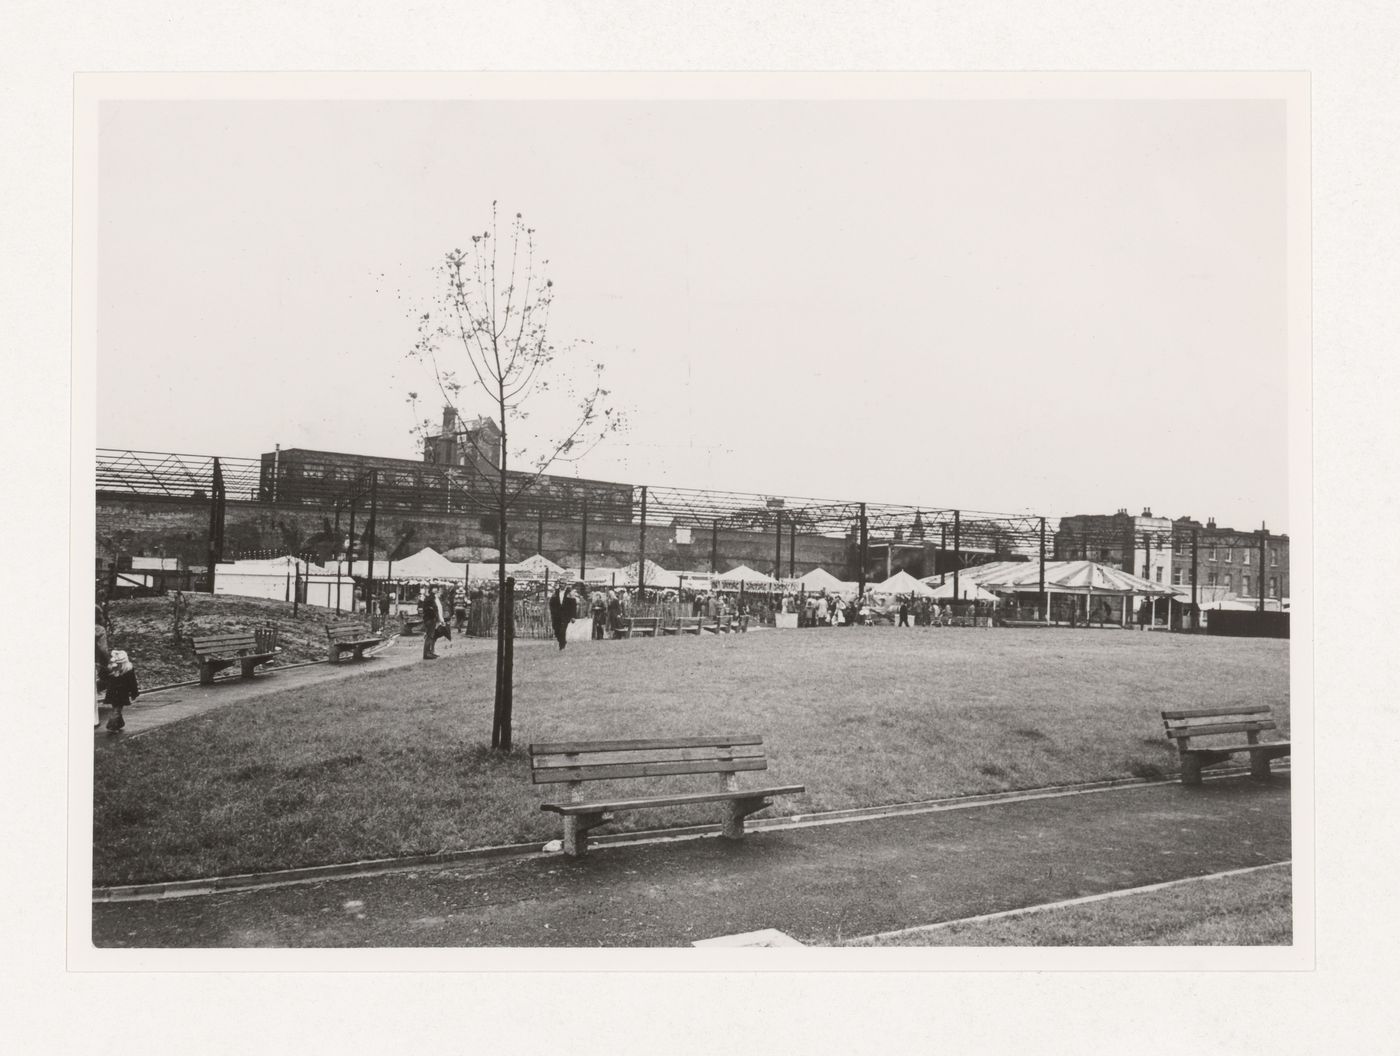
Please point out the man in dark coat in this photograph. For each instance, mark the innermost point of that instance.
(430, 608)
(563, 607)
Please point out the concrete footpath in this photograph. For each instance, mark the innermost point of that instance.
(820, 884)
(160, 707)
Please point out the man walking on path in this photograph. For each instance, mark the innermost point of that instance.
(563, 607)
(430, 608)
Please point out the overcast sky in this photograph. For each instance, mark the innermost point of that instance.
(1008, 306)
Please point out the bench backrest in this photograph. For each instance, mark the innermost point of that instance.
(345, 630)
(226, 644)
(575, 761)
(1249, 719)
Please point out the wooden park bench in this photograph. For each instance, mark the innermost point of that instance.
(350, 638)
(638, 626)
(726, 624)
(578, 761)
(1215, 723)
(683, 625)
(741, 624)
(215, 652)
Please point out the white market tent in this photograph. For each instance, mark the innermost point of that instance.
(427, 565)
(902, 583)
(745, 575)
(537, 566)
(275, 579)
(821, 579)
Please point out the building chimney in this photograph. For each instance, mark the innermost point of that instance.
(1210, 522)
(448, 420)
(1147, 511)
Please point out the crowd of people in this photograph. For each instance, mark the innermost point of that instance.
(835, 610)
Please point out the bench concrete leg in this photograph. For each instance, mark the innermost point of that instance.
(1259, 766)
(576, 828)
(1190, 770)
(206, 674)
(247, 667)
(334, 656)
(735, 811)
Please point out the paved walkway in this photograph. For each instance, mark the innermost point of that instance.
(156, 708)
(820, 884)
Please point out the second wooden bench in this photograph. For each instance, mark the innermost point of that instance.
(1228, 723)
(215, 652)
(575, 762)
(350, 638)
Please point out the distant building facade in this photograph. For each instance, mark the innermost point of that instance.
(1139, 545)
(1237, 563)
(1231, 562)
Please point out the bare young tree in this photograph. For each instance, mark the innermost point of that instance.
(486, 333)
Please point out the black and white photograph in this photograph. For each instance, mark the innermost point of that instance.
(689, 528)
(697, 513)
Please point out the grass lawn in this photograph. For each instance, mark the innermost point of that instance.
(394, 762)
(1251, 910)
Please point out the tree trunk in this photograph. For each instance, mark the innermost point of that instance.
(500, 726)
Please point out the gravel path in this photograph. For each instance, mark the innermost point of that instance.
(820, 885)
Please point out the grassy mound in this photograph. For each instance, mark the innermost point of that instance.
(144, 627)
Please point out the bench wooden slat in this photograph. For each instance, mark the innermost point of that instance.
(224, 639)
(671, 801)
(562, 747)
(1207, 713)
(613, 771)
(653, 755)
(1215, 729)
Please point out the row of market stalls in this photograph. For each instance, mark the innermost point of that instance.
(1089, 587)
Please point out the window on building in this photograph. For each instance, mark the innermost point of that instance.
(1178, 544)
(1229, 554)
(1146, 572)
(1105, 556)
(1244, 556)
(1158, 571)
(1273, 587)
(1178, 577)
(1210, 553)
(1273, 558)
(1212, 579)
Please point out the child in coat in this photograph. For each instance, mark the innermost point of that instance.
(120, 683)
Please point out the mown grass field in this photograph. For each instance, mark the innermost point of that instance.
(1255, 909)
(396, 763)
